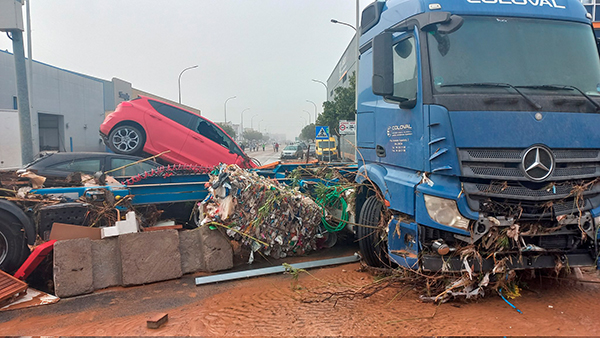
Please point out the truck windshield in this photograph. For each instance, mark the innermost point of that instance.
(517, 51)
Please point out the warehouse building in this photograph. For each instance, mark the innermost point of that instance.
(67, 109)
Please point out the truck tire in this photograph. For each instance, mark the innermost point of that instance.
(13, 246)
(126, 139)
(372, 242)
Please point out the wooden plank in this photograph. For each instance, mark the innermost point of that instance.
(11, 288)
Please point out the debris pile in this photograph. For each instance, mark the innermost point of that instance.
(270, 218)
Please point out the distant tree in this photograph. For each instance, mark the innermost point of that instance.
(308, 132)
(253, 135)
(341, 108)
(227, 128)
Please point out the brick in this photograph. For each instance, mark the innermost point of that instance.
(190, 249)
(106, 260)
(216, 250)
(157, 321)
(148, 257)
(73, 272)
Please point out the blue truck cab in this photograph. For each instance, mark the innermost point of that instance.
(477, 128)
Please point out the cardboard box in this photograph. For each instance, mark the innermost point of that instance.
(62, 231)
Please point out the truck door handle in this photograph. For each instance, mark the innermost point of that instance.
(155, 117)
(380, 151)
(198, 139)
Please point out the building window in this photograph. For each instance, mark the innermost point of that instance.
(15, 103)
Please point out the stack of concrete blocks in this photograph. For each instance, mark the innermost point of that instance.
(83, 265)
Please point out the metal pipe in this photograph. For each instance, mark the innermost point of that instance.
(274, 269)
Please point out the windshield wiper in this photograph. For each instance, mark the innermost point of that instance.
(495, 85)
(565, 87)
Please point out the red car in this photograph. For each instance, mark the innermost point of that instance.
(148, 125)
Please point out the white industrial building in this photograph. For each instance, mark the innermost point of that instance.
(67, 109)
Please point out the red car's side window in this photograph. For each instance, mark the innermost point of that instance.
(173, 113)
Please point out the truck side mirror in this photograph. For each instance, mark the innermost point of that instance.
(383, 65)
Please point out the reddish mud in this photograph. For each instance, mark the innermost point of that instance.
(272, 306)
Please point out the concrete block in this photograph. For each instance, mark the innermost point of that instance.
(106, 260)
(216, 250)
(190, 249)
(73, 272)
(148, 257)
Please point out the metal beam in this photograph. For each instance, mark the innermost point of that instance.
(275, 269)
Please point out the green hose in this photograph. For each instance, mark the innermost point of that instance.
(332, 197)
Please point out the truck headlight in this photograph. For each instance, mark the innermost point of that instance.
(445, 211)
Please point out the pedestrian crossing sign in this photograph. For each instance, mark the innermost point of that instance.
(322, 133)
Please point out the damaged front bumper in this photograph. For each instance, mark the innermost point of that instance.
(513, 262)
(572, 242)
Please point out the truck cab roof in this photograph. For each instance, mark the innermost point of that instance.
(381, 15)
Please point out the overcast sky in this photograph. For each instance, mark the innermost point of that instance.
(264, 52)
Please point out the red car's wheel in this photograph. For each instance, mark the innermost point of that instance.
(126, 139)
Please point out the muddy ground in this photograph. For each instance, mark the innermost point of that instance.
(276, 305)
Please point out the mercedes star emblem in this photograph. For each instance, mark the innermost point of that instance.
(538, 163)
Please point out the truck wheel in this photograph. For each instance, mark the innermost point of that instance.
(13, 247)
(372, 242)
(126, 139)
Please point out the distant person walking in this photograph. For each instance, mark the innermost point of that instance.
(264, 146)
(276, 147)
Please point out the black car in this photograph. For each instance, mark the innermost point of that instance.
(63, 164)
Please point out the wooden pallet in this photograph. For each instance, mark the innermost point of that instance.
(11, 288)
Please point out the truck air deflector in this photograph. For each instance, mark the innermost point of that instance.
(442, 151)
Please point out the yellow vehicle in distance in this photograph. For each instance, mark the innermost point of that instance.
(326, 149)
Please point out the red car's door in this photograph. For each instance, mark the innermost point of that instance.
(208, 145)
(167, 130)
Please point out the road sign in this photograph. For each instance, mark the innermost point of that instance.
(322, 133)
(347, 127)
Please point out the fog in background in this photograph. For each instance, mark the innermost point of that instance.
(264, 52)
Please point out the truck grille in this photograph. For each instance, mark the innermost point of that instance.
(494, 177)
(505, 164)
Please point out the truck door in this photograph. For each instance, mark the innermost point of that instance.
(399, 117)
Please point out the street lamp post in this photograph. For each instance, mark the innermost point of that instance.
(306, 111)
(251, 121)
(356, 42)
(343, 23)
(242, 120)
(179, 80)
(324, 85)
(314, 104)
(259, 125)
(305, 123)
(225, 107)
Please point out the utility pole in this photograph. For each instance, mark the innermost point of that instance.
(13, 25)
(22, 97)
